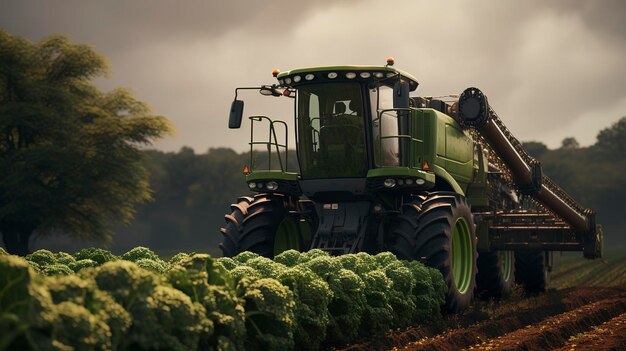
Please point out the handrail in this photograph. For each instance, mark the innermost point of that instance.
(412, 140)
(269, 143)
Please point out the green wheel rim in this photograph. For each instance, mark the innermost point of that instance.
(506, 264)
(287, 236)
(462, 255)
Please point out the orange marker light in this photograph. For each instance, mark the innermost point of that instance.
(426, 167)
(390, 61)
(286, 92)
(246, 170)
(275, 72)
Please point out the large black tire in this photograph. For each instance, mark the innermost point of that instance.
(253, 224)
(424, 232)
(531, 271)
(496, 274)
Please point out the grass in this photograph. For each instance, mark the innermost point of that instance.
(571, 269)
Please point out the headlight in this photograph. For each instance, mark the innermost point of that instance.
(420, 181)
(252, 185)
(390, 183)
(272, 185)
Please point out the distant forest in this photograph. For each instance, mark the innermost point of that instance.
(192, 192)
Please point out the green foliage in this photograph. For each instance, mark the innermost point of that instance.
(612, 140)
(70, 152)
(27, 315)
(80, 264)
(270, 319)
(227, 262)
(346, 307)
(57, 269)
(64, 258)
(208, 283)
(378, 314)
(303, 301)
(153, 265)
(290, 258)
(146, 259)
(245, 256)
(41, 258)
(179, 257)
(138, 253)
(83, 292)
(95, 254)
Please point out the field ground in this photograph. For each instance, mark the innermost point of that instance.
(584, 309)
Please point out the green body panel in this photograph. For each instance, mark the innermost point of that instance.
(441, 142)
(443, 174)
(401, 172)
(477, 190)
(269, 175)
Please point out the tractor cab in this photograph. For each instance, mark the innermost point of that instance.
(349, 120)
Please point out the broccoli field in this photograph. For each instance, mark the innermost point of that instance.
(94, 300)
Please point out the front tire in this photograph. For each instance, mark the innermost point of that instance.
(262, 225)
(438, 229)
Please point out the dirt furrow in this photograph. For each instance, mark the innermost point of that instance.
(555, 331)
(609, 336)
(486, 322)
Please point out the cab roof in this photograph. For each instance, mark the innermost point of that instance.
(318, 74)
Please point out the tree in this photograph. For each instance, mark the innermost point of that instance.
(570, 143)
(613, 139)
(69, 154)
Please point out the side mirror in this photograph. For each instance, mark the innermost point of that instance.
(401, 95)
(236, 113)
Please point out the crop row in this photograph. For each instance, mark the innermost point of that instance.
(94, 300)
(576, 270)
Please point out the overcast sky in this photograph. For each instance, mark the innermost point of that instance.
(551, 69)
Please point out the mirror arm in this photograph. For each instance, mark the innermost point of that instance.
(245, 88)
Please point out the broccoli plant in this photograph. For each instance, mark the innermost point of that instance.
(208, 283)
(300, 300)
(312, 296)
(162, 316)
(270, 318)
(27, 313)
(98, 255)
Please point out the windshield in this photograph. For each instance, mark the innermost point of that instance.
(331, 131)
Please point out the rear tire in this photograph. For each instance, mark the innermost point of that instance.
(496, 274)
(262, 225)
(531, 270)
(438, 229)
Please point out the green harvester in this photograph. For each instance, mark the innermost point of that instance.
(440, 180)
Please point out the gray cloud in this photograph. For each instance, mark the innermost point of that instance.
(551, 70)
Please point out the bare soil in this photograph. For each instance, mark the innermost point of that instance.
(589, 318)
